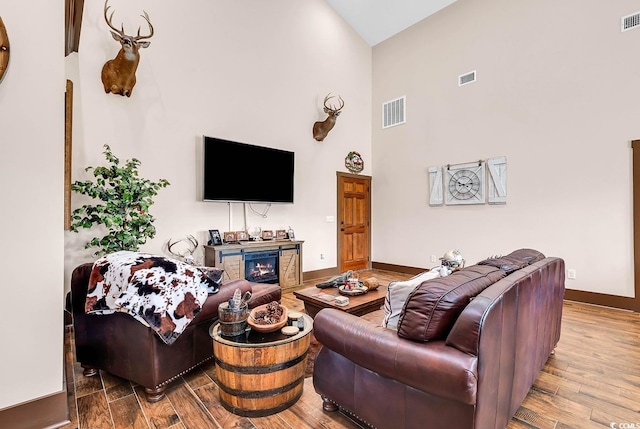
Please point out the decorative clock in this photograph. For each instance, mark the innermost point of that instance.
(465, 183)
(354, 162)
(4, 49)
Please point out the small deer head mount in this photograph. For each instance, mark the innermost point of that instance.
(321, 129)
(119, 74)
(189, 245)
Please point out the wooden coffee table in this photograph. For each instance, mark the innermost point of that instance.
(358, 304)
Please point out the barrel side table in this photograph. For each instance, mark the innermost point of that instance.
(261, 374)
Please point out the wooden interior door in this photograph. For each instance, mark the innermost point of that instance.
(354, 222)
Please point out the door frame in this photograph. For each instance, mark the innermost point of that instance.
(339, 175)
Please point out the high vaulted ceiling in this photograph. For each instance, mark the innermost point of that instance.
(377, 20)
(374, 20)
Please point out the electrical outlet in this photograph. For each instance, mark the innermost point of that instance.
(571, 274)
(434, 258)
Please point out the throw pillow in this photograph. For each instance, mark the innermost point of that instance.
(433, 307)
(213, 278)
(397, 294)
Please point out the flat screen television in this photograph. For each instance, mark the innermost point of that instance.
(240, 172)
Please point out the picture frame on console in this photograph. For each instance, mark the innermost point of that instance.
(214, 237)
(242, 236)
(230, 237)
(267, 235)
(281, 234)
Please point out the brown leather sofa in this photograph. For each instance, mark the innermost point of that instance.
(473, 374)
(122, 346)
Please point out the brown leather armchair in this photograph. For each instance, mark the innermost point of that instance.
(122, 346)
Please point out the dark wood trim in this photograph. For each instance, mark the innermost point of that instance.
(72, 25)
(317, 274)
(48, 411)
(68, 128)
(398, 268)
(613, 301)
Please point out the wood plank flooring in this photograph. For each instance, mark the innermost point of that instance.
(592, 381)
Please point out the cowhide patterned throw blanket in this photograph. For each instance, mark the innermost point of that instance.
(163, 293)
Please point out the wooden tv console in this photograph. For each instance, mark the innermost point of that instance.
(230, 258)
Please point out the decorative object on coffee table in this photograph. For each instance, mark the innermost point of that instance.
(354, 162)
(371, 283)
(268, 317)
(352, 290)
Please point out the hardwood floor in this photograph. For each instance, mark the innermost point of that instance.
(592, 381)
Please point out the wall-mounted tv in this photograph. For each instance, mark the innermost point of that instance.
(235, 171)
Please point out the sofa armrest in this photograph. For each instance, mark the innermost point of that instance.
(431, 367)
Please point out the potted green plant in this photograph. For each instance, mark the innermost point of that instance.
(124, 210)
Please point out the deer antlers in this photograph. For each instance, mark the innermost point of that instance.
(121, 31)
(186, 255)
(330, 109)
(321, 129)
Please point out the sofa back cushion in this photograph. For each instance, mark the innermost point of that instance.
(397, 293)
(515, 260)
(433, 307)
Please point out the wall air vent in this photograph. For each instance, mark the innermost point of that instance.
(630, 21)
(393, 112)
(466, 78)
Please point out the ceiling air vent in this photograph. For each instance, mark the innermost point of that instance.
(393, 112)
(466, 78)
(630, 21)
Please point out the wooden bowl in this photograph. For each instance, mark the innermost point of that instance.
(267, 328)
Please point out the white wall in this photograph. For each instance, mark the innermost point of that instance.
(251, 71)
(31, 191)
(556, 93)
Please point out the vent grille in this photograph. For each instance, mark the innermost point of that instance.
(393, 112)
(466, 78)
(630, 21)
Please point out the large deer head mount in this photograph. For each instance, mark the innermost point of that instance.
(321, 129)
(119, 74)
